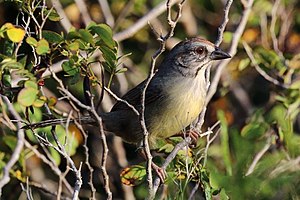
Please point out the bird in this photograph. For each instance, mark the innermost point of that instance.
(174, 97)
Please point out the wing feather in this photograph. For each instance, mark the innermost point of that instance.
(133, 96)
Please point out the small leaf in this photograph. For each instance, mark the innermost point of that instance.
(38, 103)
(30, 84)
(54, 16)
(31, 41)
(11, 64)
(52, 37)
(73, 35)
(52, 101)
(10, 141)
(243, 64)
(295, 85)
(109, 56)
(86, 36)
(69, 68)
(27, 96)
(133, 175)
(14, 34)
(105, 33)
(254, 130)
(42, 47)
(74, 46)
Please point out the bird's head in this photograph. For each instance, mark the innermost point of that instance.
(193, 54)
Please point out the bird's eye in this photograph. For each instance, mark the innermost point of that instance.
(200, 50)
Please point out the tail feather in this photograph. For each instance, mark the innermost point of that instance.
(61, 121)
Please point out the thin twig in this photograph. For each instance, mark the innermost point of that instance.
(259, 70)
(172, 23)
(51, 164)
(169, 159)
(18, 148)
(84, 11)
(159, 9)
(109, 18)
(222, 27)
(258, 156)
(272, 29)
(233, 48)
(64, 21)
(87, 162)
(101, 130)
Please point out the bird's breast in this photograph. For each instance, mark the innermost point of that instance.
(182, 104)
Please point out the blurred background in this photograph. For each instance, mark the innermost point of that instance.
(256, 154)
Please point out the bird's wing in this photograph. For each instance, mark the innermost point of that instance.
(133, 97)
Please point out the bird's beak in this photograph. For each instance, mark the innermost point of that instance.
(219, 54)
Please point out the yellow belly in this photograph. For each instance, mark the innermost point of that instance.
(183, 104)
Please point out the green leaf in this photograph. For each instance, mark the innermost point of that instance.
(30, 84)
(11, 64)
(31, 41)
(10, 141)
(42, 47)
(73, 35)
(53, 16)
(27, 96)
(7, 80)
(110, 56)
(133, 175)
(105, 33)
(254, 130)
(86, 36)
(74, 46)
(38, 103)
(225, 142)
(55, 156)
(69, 68)
(52, 37)
(243, 64)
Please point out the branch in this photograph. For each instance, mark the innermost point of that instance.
(222, 27)
(143, 21)
(232, 51)
(109, 18)
(64, 21)
(258, 156)
(162, 39)
(19, 146)
(259, 70)
(92, 110)
(84, 11)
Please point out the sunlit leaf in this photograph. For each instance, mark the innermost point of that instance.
(42, 47)
(133, 175)
(31, 84)
(10, 141)
(31, 41)
(13, 33)
(27, 96)
(244, 63)
(74, 46)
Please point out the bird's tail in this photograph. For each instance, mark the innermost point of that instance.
(60, 121)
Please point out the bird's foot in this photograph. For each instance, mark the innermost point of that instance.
(193, 134)
(161, 173)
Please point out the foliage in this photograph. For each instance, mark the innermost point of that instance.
(252, 153)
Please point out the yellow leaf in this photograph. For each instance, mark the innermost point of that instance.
(14, 34)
